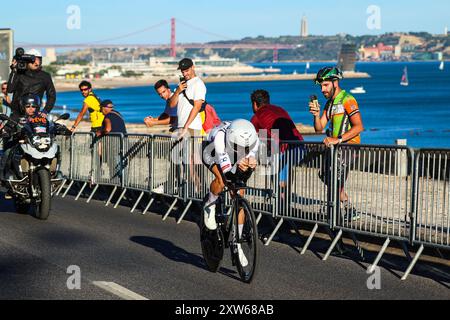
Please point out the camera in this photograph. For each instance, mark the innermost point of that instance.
(23, 59)
(182, 79)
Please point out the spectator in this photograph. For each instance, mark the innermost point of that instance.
(6, 100)
(169, 116)
(279, 127)
(113, 121)
(92, 103)
(342, 111)
(189, 97)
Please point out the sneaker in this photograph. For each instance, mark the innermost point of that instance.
(242, 259)
(351, 214)
(209, 213)
(159, 189)
(8, 195)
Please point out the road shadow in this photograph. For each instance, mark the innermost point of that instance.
(170, 251)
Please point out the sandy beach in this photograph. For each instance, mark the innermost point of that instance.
(121, 82)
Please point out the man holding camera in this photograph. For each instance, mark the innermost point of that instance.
(27, 77)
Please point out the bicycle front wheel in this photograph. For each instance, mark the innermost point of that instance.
(246, 259)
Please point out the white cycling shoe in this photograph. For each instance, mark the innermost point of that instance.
(209, 214)
(242, 259)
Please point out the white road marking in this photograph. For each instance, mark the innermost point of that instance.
(118, 290)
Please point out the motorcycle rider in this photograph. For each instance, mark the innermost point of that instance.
(29, 107)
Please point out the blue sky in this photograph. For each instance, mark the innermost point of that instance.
(45, 21)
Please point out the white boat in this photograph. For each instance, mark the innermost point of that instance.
(441, 66)
(307, 67)
(358, 90)
(405, 81)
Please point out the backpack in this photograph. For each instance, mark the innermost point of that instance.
(209, 116)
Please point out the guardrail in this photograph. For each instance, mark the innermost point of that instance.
(391, 192)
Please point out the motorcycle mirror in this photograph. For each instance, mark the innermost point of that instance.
(64, 116)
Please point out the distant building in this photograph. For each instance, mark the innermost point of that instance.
(378, 52)
(50, 56)
(347, 57)
(304, 27)
(445, 31)
(6, 52)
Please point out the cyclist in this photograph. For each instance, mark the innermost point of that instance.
(229, 152)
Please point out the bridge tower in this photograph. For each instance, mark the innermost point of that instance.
(275, 54)
(173, 41)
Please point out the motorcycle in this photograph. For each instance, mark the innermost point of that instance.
(34, 176)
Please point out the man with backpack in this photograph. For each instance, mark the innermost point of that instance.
(190, 98)
(92, 103)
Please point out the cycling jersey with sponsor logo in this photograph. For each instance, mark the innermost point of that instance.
(339, 112)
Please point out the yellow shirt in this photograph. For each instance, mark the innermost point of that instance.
(94, 110)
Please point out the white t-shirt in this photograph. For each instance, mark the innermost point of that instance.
(196, 90)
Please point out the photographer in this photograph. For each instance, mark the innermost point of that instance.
(27, 77)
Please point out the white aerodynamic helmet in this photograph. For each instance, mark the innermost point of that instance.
(241, 133)
(34, 52)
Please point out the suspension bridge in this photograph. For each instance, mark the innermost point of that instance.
(224, 42)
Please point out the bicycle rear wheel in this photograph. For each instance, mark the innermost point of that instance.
(212, 243)
(248, 242)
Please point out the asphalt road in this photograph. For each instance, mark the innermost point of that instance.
(162, 260)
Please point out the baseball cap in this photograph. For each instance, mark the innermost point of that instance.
(105, 103)
(185, 63)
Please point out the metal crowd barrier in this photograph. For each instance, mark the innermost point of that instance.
(393, 192)
(378, 184)
(432, 177)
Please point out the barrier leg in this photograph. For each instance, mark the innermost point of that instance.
(61, 187)
(148, 206)
(413, 262)
(259, 218)
(274, 232)
(110, 197)
(358, 247)
(92, 194)
(170, 209)
(308, 242)
(120, 198)
(333, 244)
(68, 188)
(81, 190)
(184, 212)
(372, 267)
(137, 202)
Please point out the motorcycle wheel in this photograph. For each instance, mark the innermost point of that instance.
(43, 208)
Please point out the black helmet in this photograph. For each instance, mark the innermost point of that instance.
(30, 99)
(328, 74)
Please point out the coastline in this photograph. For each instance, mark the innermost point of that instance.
(121, 82)
(141, 128)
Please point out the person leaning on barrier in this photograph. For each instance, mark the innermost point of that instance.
(91, 103)
(33, 80)
(278, 125)
(342, 113)
(169, 116)
(113, 121)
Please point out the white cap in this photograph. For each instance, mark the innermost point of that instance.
(34, 52)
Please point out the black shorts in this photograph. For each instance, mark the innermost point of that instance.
(344, 163)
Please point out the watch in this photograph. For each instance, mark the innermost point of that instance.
(340, 138)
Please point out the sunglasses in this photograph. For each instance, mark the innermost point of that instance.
(84, 89)
(30, 106)
(3, 89)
